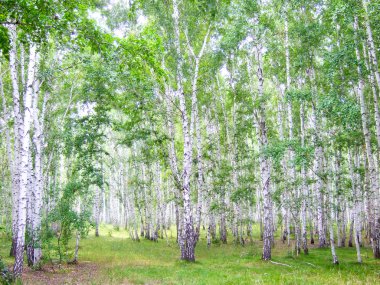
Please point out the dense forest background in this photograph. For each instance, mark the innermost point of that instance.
(209, 117)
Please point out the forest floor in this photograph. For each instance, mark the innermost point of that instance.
(115, 259)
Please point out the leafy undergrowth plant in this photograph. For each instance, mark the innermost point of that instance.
(6, 276)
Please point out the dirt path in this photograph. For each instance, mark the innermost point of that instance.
(81, 273)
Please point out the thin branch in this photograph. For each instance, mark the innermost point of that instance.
(188, 44)
(279, 263)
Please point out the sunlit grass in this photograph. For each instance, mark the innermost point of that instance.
(147, 262)
(122, 261)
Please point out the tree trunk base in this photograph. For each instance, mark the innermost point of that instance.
(12, 251)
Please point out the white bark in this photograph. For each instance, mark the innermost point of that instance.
(97, 197)
(38, 140)
(265, 170)
(18, 131)
(304, 185)
(373, 175)
(371, 44)
(24, 163)
(195, 123)
(318, 166)
(7, 133)
(356, 214)
(291, 168)
(188, 234)
(375, 95)
(284, 195)
(331, 226)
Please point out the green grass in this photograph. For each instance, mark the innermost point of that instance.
(122, 261)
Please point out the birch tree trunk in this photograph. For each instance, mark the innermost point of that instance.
(356, 217)
(77, 239)
(18, 132)
(265, 170)
(235, 183)
(195, 124)
(304, 184)
(200, 179)
(38, 141)
(284, 208)
(24, 165)
(340, 207)
(188, 232)
(373, 175)
(169, 102)
(375, 96)
(331, 225)
(318, 165)
(97, 210)
(291, 168)
(10, 157)
(371, 44)
(224, 195)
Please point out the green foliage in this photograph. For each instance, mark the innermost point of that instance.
(141, 75)
(242, 194)
(304, 156)
(38, 19)
(6, 277)
(72, 215)
(343, 112)
(296, 95)
(276, 151)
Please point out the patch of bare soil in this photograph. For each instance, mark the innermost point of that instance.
(80, 273)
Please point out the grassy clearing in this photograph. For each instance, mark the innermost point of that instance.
(118, 260)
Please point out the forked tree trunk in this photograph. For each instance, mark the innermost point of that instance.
(189, 235)
(196, 124)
